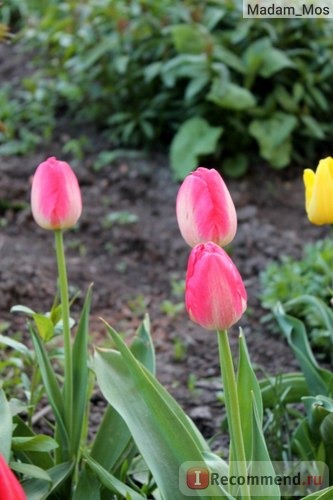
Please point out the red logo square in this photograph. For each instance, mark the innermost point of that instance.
(197, 478)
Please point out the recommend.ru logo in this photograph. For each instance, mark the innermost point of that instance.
(291, 478)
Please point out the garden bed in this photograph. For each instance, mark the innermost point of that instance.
(128, 244)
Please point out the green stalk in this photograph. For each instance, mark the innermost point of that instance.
(68, 370)
(232, 408)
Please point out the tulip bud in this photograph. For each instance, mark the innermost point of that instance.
(55, 195)
(10, 488)
(205, 210)
(319, 192)
(215, 296)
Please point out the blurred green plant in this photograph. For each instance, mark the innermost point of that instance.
(170, 307)
(148, 73)
(179, 349)
(305, 288)
(313, 437)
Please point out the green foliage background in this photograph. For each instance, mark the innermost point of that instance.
(192, 74)
(290, 280)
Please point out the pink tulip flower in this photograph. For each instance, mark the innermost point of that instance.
(205, 210)
(215, 296)
(55, 195)
(10, 488)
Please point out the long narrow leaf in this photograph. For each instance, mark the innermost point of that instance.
(134, 367)
(111, 441)
(80, 373)
(38, 443)
(321, 309)
(36, 489)
(6, 426)
(247, 384)
(52, 388)
(326, 494)
(319, 380)
(30, 470)
(155, 429)
(289, 386)
(160, 429)
(14, 344)
(88, 486)
(111, 482)
(142, 346)
(40, 459)
(261, 464)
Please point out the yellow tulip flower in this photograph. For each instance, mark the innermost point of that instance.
(319, 192)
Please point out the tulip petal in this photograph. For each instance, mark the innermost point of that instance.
(205, 210)
(10, 487)
(215, 295)
(55, 195)
(319, 192)
(309, 180)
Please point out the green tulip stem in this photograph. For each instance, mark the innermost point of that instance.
(68, 370)
(232, 408)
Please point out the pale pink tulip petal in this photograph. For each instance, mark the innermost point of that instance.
(205, 210)
(55, 195)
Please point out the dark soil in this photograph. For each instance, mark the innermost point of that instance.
(134, 258)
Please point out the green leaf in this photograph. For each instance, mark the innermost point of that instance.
(317, 305)
(157, 423)
(253, 57)
(18, 346)
(30, 470)
(236, 166)
(319, 380)
(190, 38)
(88, 486)
(34, 443)
(142, 346)
(318, 97)
(186, 66)
(23, 309)
(326, 430)
(6, 426)
(274, 60)
(111, 441)
(262, 58)
(111, 482)
(261, 464)
(36, 489)
(195, 86)
(41, 459)
(247, 384)
(194, 139)
(325, 494)
(273, 136)
(229, 58)
(317, 410)
(44, 326)
(51, 387)
(285, 387)
(286, 101)
(80, 374)
(303, 442)
(313, 127)
(95, 53)
(230, 96)
(55, 313)
(137, 368)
